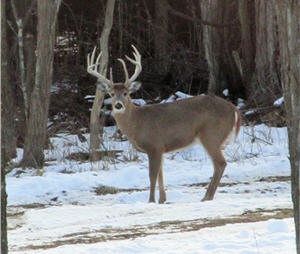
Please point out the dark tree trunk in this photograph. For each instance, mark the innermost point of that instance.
(161, 36)
(8, 138)
(40, 97)
(288, 18)
(3, 205)
(267, 84)
(247, 19)
(8, 141)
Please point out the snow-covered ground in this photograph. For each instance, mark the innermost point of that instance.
(59, 209)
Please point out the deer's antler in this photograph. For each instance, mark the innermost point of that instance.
(136, 62)
(92, 67)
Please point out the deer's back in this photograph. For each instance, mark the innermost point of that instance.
(175, 125)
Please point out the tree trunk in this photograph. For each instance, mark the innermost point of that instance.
(212, 11)
(288, 19)
(8, 140)
(40, 98)
(161, 35)
(95, 123)
(247, 18)
(267, 80)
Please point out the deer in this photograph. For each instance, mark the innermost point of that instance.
(156, 129)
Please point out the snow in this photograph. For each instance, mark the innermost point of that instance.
(226, 92)
(177, 96)
(56, 210)
(241, 103)
(279, 102)
(250, 238)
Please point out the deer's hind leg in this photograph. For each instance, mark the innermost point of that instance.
(213, 146)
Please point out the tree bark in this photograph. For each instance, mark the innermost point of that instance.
(288, 20)
(161, 36)
(95, 123)
(212, 11)
(247, 18)
(267, 80)
(8, 140)
(40, 98)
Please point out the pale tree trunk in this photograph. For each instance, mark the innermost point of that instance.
(288, 18)
(247, 19)
(95, 123)
(161, 35)
(212, 12)
(267, 80)
(40, 97)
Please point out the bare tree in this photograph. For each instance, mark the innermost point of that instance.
(40, 97)
(267, 81)
(22, 11)
(161, 35)
(95, 126)
(212, 11)
(8, 140)
(247, 19)
(288, 19)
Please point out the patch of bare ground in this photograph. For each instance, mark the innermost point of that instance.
(263, 179)
(110, 234)
(104, 190)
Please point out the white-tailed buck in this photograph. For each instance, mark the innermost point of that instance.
(161, 128)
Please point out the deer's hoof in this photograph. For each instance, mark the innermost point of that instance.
(162, 198)
(151, 200)
(161, 201)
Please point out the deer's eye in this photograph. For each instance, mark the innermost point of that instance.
(125, 94)
(112, 94)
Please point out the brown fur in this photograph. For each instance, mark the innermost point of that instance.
(160, 128)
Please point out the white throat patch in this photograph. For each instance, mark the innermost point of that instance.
(119, 111)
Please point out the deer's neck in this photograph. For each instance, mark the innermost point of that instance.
(126, 120)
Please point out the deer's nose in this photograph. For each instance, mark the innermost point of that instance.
(118, 105)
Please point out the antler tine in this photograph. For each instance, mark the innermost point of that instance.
(136, 62)
(92, 66)
(97, 63)
(111, 76)
(125, 70)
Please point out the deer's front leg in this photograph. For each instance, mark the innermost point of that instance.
(162, 193)
(155, 160)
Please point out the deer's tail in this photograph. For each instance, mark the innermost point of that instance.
(235, 128)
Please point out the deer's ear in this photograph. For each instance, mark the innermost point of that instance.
(134, 86)
(103, 87)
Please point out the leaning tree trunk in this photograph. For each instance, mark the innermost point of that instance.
(212, 12)
(40, 97)
(288, 20)
(95, 124)
(267, 80)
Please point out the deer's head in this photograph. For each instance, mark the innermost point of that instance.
(119, 92)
